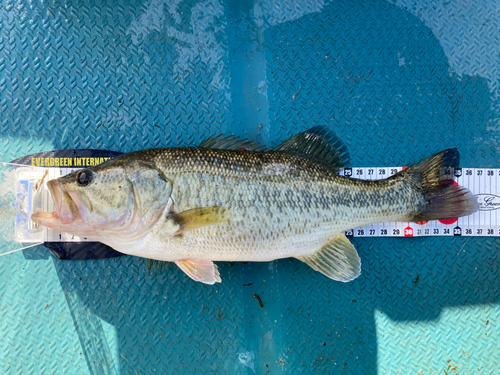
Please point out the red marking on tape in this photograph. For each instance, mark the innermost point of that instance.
(448, 182)
(408, 231)
(421, 222)
(448, 221)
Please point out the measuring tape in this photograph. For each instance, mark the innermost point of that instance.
(484, 183)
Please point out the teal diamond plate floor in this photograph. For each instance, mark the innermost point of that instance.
(396, 80)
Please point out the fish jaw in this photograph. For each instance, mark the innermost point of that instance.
(73, 214)
(53, 221)
(66, 209)
(47, 219)
(66, 214)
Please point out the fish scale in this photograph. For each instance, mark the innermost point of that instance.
(254, 203)
(194, 206)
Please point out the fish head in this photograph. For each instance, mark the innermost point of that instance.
(112, 201)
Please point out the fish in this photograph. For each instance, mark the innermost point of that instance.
(234, 200)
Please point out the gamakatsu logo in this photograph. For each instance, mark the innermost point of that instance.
(488, 202)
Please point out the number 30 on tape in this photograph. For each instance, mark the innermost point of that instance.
(484, 183)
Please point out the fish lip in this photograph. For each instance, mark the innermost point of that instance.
(66, 208)
(51, 219)
(55, 190)
(47, 219)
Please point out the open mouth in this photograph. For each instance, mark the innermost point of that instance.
(66, 209)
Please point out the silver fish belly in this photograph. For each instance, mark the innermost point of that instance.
(222, 202)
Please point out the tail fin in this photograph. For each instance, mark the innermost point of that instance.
(440, 201)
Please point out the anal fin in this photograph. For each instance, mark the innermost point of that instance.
(202, 270)
(337, 260)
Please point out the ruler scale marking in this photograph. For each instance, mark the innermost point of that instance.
(482, 182)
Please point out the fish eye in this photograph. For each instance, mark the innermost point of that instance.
(84, 177)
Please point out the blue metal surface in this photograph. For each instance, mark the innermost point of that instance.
(397, 80)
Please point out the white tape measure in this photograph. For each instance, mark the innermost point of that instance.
(484, 183)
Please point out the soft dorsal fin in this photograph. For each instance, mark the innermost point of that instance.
(337, 260)
(202, 270)
(231, 142)
(320, 145)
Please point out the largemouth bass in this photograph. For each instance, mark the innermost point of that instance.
(232, 200)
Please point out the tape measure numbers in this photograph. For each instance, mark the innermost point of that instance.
(484, 183)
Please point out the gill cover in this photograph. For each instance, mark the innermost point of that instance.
(151, 189)
(148, 194)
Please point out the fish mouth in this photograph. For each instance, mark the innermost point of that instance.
(66, 209)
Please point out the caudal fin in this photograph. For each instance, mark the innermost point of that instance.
(442, 201)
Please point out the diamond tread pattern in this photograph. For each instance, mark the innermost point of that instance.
(397, 81)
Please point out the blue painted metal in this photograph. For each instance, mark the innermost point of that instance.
(398, 80)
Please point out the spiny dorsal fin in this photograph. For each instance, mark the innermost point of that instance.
(337, 260)
(231, 142)
(316, 144)
(202, 270)
(320, 145)
(196, 218)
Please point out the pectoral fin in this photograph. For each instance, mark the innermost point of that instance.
(201, 270)
(198, 217)
(337, 260)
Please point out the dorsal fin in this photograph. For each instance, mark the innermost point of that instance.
(316, 144)
(320, 145)
(232, 142)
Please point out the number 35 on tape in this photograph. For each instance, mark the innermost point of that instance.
(484, 183)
